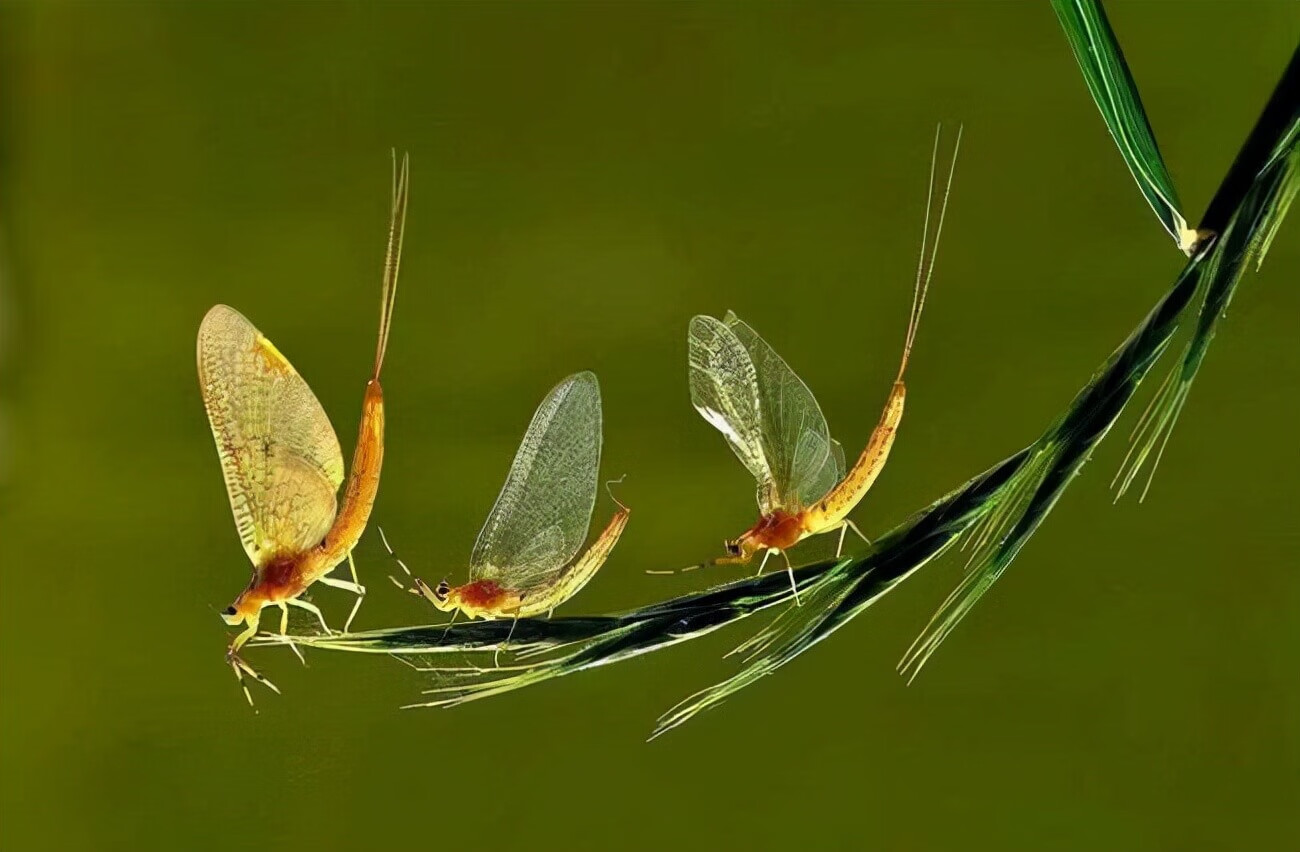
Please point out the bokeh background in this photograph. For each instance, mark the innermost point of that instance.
(585, 178)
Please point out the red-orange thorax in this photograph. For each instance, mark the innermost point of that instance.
(285, 577)
(485, 598)
(778, 529)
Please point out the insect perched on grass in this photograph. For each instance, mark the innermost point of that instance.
(523, 562)
(775, 427)
(282, 462)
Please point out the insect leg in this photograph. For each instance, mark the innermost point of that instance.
(454, 613)
(766, 554)
(496, 658)
(239, 676)
(352, 566)
(284, 631)
(314, 610)
(242, 668)
(857, 531)
(347, 625)
(356, 589)
(789, 569)
(345, 585)
(361, 593)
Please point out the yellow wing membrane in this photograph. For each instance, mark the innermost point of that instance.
(279, 454)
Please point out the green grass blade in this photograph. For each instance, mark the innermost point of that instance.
(1064, 450)
(1116, 94)
(1257, 208)
(999, 510)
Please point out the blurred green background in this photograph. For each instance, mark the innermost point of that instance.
(584, 179)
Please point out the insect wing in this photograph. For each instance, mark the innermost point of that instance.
(818, 484)
(724, 390)
(279, 454)
(541, 517)
(804, 462)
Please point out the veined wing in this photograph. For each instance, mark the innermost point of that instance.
(804, 461)
(541, 517)
(279, 454)
(820, 481)
(791, 435)
(724, 390)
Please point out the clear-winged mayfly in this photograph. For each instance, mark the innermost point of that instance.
(523, 563)
(775, 427)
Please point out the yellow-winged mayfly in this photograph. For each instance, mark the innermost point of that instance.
(523, 563)
(775, 427)
(281, 459)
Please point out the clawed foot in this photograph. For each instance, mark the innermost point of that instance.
(241, 669)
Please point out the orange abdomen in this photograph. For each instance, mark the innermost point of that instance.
(363, 481)
(831, 510)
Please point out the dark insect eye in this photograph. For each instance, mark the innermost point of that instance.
(230, 610)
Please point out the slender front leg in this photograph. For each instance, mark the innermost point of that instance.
(242, 668)
(239, 678)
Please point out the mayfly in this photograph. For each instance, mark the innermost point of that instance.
(282, 462)
(523, 561)
(775, 427)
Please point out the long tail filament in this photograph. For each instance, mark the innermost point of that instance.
(925, 266)
(393, 257)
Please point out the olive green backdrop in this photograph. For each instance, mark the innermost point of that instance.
(584, 179)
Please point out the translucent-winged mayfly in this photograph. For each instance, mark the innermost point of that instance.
(282, 462)
(775, 427)
(523, 562)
